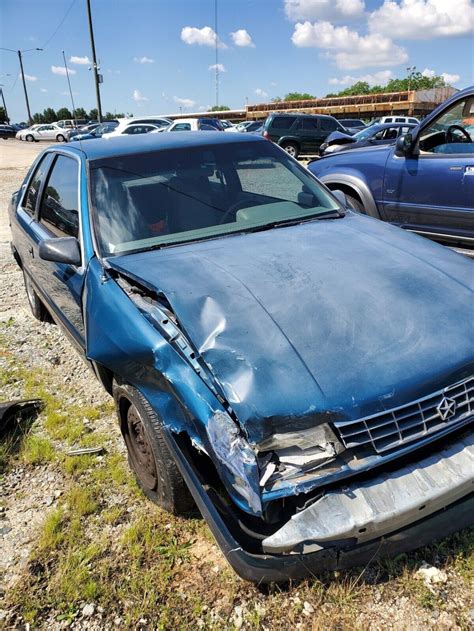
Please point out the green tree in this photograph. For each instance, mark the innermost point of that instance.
(80, 112)
(415, 81)
(93, 114)
(220, 108)
(298, 96)
(49, 116)
(3, 114)
(63, 113)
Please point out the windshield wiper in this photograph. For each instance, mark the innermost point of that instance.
(331, 214)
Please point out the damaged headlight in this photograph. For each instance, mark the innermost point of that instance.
(238, 462)
(284, 456)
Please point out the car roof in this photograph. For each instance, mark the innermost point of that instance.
(145, 143)
(273, 114)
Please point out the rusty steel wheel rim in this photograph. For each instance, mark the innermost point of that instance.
(139, 449)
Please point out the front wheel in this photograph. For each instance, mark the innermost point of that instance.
(148, 454)
(30, 138)
(355, 204)
(291, 148)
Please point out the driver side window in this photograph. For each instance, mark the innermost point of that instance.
(452, 132)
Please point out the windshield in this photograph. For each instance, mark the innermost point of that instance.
(366, 133)
(143, 201)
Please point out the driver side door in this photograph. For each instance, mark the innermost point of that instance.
(432, 192)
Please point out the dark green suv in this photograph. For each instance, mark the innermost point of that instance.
(300, 133)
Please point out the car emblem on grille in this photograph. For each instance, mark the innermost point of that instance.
(447, 408)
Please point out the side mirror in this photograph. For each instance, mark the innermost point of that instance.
(60, 250)
(341, 198)
(403, 146)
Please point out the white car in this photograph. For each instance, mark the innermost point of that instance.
(42, 132)
(395, 119)
(159, 122)
(141, 128)
(191, 124)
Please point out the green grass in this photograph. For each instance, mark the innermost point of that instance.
(36, 450)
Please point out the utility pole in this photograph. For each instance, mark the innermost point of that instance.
(4, 106)
(19, 53)
(30, 119)
(217, 53)
(94, 63)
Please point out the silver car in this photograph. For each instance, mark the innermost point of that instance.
(49, 131)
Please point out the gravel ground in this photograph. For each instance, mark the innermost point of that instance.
(409, 597)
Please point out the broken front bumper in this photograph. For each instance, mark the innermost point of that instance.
(385, 515)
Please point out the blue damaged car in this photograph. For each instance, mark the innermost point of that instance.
(300, 372)
(424, 183)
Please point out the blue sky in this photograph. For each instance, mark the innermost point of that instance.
(156, 55)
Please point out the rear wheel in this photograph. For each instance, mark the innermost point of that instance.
(36, 306)
(60, 138)
(291, 148)
(148, 454)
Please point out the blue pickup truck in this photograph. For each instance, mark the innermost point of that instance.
(424, 183)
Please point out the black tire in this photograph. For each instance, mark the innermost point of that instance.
(291, 148)
(355, 204)
(37, 307)
(30, 138)
(60, 138)
(148, 455)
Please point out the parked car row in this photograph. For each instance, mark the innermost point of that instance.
(301, 372)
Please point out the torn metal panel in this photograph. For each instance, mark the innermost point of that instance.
(387, 502)
(296, 338)
(143, 356)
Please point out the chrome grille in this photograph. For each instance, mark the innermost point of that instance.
(415, 420)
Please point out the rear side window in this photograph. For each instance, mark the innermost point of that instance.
(413, 120)
(310, 124)
(182, 127)
(33, 188)
(282, 122)
(59, 211)
(328, 124)
(389, 120)
(399, 120)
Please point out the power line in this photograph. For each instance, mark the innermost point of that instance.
(60, 23)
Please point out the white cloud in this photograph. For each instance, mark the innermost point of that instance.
(204, 36)
(61, 71)
(428, 73)
(423, 19)
(138, 97)
(242, 38)
(448, 78)
(144, 60)
(43, 90)
(30, 77)
(80, 61)
(323, 9)
(260, 92)
(184, 102)
(377, 78)
(219, 67)
(347, 48)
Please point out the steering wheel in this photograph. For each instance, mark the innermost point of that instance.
(450, 137)
(241, 203)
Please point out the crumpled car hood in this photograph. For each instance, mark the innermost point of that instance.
(330, 319)
(339, 136)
